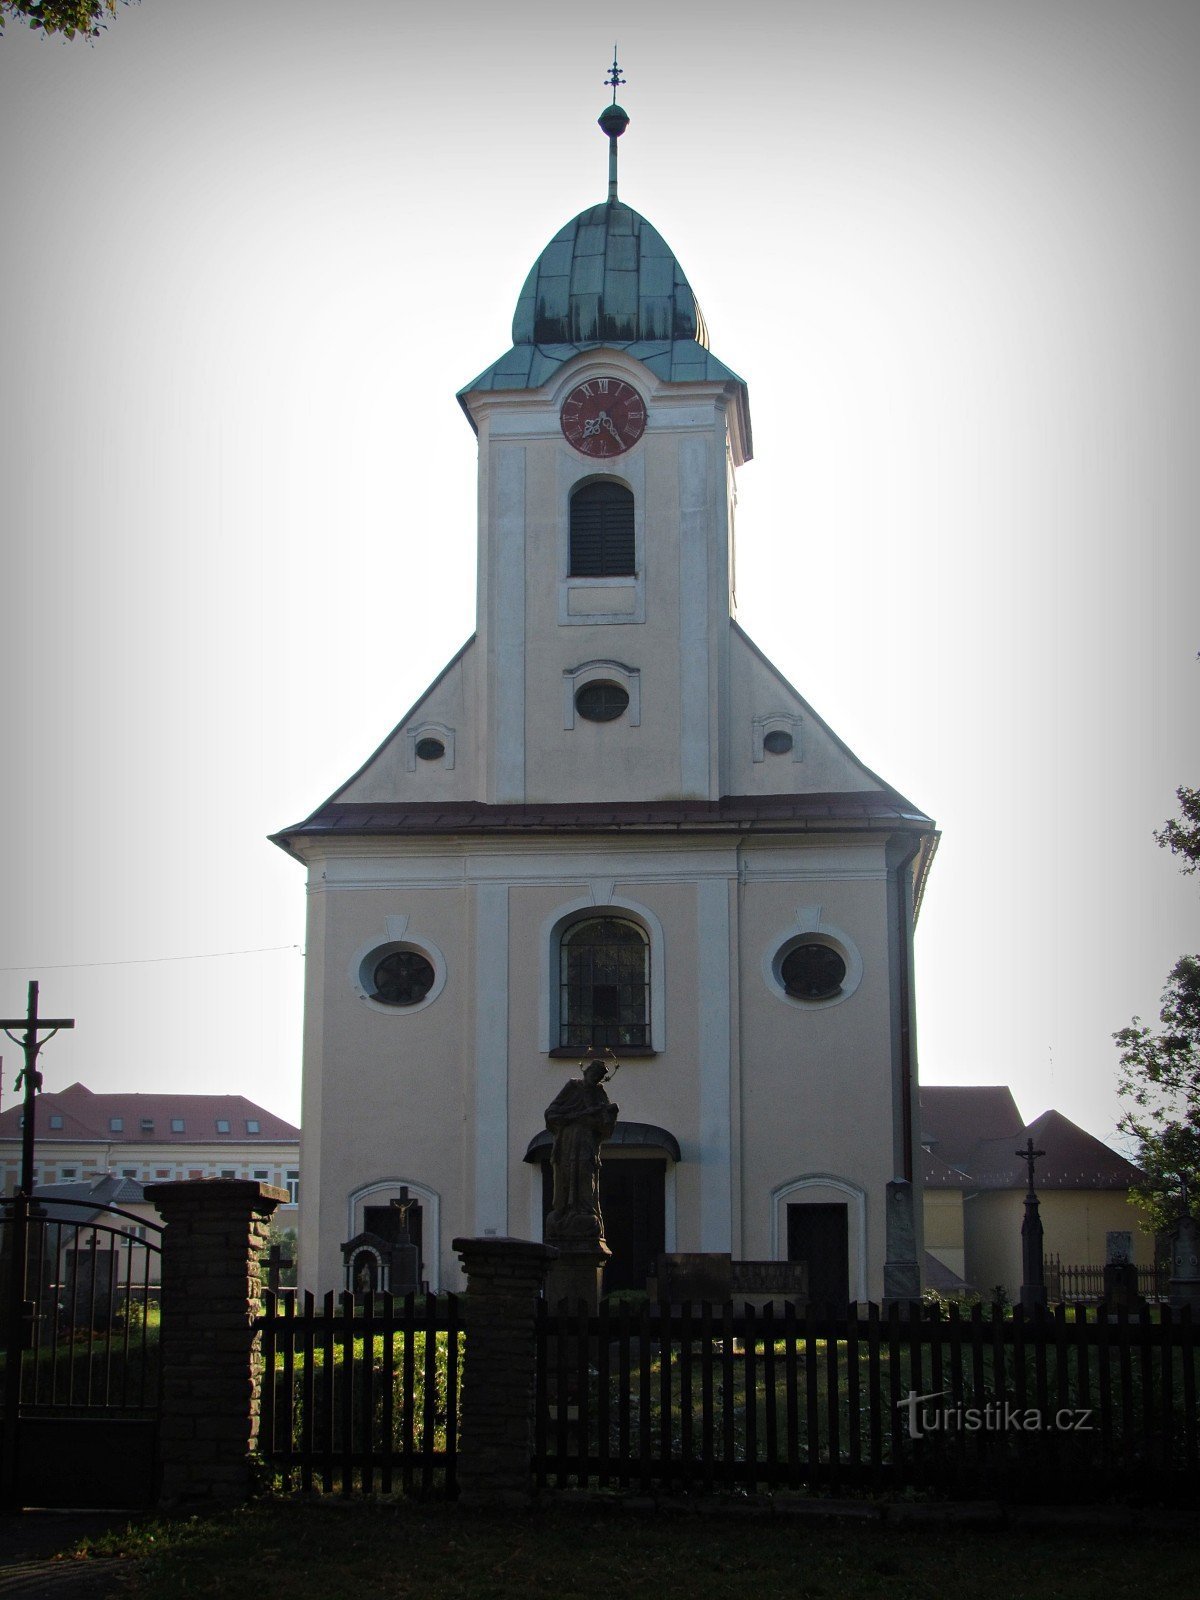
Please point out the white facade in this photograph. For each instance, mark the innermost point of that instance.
(716, 814)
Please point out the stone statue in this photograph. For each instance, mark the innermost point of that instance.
(581, 1117)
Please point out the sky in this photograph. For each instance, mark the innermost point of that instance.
(254, 249)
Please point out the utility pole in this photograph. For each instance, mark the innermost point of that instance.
(29, 1076)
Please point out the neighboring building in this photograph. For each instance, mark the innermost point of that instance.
(116, 1262)
(154, 1138)
(975, 1187)
(611, 823)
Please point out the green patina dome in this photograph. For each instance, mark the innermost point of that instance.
(607, 277)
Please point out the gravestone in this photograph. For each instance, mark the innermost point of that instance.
(694, 1276)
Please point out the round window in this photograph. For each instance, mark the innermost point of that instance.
(812, 972)
(403, 978)
(430, 749)
(777, 742)
(601, 702)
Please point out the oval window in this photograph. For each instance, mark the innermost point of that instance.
(403, 978)
(601, 702)
(812, 972)
(430, 749)
(777, 742)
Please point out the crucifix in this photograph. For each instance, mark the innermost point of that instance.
(1029, 1155)
(1033, 1281)
(29, 1077)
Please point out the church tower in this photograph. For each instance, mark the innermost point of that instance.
(610, 823)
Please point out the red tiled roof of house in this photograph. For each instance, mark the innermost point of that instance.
(974, 1134)
(88, 1116)
(1074, 1159)
(955, 1117)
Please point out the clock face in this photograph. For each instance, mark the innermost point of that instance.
(603, 417)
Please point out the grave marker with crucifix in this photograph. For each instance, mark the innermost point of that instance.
(1033, 1282)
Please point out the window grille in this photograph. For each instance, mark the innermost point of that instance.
(605, 985)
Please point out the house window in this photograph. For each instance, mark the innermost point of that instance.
(292, 1184)
(116, 1124)
(251, 1125)
(162, 1172)
(129, 1172)
(56, 1121)
(604, 973)
(147, 1124)
(70, 1172)
(176, 1124)
(228, 1172)
(222, 1124)
(602, 543)
(263, 1176)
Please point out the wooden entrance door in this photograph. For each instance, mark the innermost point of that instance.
(819, 1234)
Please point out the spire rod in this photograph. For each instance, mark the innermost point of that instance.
(613, 120)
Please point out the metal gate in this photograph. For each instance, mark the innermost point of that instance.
(79, 1303)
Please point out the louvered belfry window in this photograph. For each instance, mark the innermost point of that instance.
(605, 977)
(602, 531)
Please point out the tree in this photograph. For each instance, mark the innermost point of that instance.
(72, 18)
(1160, 1071)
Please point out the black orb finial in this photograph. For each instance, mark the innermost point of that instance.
(613, 121)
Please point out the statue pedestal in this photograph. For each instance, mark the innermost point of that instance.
(577, 1274)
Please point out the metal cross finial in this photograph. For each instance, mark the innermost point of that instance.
(1029, 1155)
(614, 79)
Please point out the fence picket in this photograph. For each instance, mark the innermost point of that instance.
(308, 1432)
(812, 1407)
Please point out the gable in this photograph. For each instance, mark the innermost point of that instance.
(764, 708)
(442, 715)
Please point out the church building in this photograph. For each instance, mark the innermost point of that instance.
(612, 826)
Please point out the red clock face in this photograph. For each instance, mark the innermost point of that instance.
(603, 417)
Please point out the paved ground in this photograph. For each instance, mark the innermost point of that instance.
(29, 1542)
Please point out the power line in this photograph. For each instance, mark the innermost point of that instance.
(144, 961)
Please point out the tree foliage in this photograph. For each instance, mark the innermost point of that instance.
(1160, 1069)
(72, 18)
(1181, 835)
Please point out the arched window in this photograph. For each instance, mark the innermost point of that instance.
(604, 967)
(602, 544)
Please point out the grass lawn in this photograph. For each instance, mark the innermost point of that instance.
(282, 1551)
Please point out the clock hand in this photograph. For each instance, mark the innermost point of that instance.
(607, 422)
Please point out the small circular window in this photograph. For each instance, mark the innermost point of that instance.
(430, 749)
(812, 972)
(403, 978)
(777, 742)
(601, 702)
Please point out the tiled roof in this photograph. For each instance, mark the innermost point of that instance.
(88, 1116)
(107, 1190)
(780, 812)
(976, 1132)
(955, 1118)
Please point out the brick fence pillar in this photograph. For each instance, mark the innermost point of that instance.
(504, 1279)
(216, 1230)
